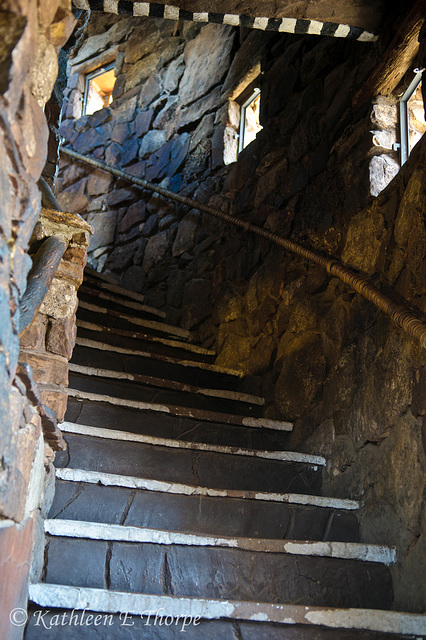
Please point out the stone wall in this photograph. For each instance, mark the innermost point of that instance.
(31, 34)
(330, 361)
(160, 126)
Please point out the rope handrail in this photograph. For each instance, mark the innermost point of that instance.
(400, 315)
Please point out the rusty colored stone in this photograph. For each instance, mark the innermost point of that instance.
(33, 338)
(56, 399)
(15, 554)
(60, 337)
(47, 368)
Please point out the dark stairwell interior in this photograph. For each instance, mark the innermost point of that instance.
(240, 426)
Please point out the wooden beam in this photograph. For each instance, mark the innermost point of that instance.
(396, 60)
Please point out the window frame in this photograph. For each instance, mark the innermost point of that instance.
(243, 109)
(91, 76)
(404, 121)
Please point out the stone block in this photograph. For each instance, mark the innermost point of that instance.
(144, 40)
(199, 108)
(135, 214)
(33, 338)
(203, 131)
(99, 182)
(121, 257)
(130, 152)
(47, 367)
(150, 225)
(113, 154)
(60, 301)
(151, 142)
(364, 241)
(143, 122)
(125, 112)
(60, 338)
(56, 400)
(103, 224)
(120, 133)
(174, 73)
(185, 236)
(150, 91)
(139, 72)
(134, 279)
(119, 196)
(100, 117)
(15, 554)
(205, 65)
(156, 250)
(87, 141)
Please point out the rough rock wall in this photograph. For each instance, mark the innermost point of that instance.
(331, 362)
(160, 126)
(31, 34)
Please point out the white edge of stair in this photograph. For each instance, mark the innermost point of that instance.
(224, 394)
(101, 600)
(141, 322)
(114, 434)
(147, 484)
(187, 346)
(118, 298)
(121, 533)
(184, 412)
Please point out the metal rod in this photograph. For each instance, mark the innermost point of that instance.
(400, 315)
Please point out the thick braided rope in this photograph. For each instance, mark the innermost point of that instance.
(283, 25)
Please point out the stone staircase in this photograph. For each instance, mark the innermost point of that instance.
(179, 509)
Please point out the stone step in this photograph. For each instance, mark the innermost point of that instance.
(108, 388)
(91, 500)
(112, 287)
(162, 383)
(93, 410)
(89, 530)
(100, 277)
(174, 488)
(163, 618)
(98, 354)
(136, 340)
(109, 317)
(108, 299)
(115, 434)
(189, 570)
(160, 391)
(204, 468)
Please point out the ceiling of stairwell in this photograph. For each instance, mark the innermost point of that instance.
(358, 13)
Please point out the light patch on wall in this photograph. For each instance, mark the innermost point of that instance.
(98, 90)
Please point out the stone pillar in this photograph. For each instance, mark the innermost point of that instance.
(48, 343)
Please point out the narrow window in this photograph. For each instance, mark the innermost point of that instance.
(412, 116)
(250, 120)
(98, 89)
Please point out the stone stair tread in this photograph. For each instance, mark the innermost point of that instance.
(115, 434)
(114, 288)
(149, 484)
(187, 466)
(215, 572)
(98, 354)
(166, 383)
(182, 411)
(98, 413)
(111, 315)
(93, 501)
(286, 616)
(88, 292)
(124, 533)
(120, 335)
(120, 386)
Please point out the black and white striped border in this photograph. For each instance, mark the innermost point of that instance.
(169, 12)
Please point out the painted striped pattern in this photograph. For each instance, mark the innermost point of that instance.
(284, 25)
